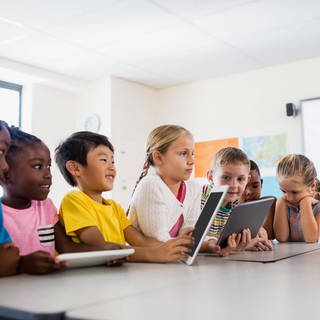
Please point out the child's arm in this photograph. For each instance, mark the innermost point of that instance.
(309, 223)
(9, 256)
(280, 222)
(173, 250)
(148, 249)
(63, 243)
(137, 238)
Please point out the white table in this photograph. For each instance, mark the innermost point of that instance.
(213, 287)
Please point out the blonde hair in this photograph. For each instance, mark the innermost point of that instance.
(160, 140)
(230, 155)
(297, 165)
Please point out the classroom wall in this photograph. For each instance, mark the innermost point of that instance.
(246, 104)
(135, 112)
(53, 119)
(57, 113)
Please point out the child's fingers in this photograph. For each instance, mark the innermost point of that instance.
(186, 231)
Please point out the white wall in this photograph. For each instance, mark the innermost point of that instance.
(57, 113)
(246, 104)
(53, 119)
(135, 112)
(95, 97)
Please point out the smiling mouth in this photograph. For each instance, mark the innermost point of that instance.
(45, 186)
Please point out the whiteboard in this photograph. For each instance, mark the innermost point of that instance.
(310, 117)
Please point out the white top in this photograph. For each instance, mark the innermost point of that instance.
(154, 209)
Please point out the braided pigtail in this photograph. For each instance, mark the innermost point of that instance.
(144, 172)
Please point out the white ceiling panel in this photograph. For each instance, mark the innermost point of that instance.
(259, 16)
(40, 50)
(134, 73)
(191, 9)
(158, 42)
(170, 42)
(44, 13)
(195, 66)
(122, 22)
(10, 31)
(284, 45)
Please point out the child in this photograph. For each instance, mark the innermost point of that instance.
(253, 192)
(9, 255)
(297, 215)
(29, 216)
(86, 161)
(165, 201)
(11, 262)
(231, 167)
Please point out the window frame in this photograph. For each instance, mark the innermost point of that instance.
(17, 88)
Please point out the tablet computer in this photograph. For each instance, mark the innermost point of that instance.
(205, 219)
(93, 258)
(246, 215)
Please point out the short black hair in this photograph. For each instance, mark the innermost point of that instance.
(76, 148)
(254, 166)
(20, 140)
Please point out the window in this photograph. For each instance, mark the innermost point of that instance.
(10, 103)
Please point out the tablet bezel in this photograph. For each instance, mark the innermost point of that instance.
(234, 225)
(198, 242)
(93, 258)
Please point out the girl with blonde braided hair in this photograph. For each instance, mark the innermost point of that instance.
(297, 213)
(165, 202)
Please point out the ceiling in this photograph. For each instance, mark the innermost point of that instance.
(159, 43)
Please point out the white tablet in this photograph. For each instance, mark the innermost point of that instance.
(205, 219)
(93, 258)
(246, 215)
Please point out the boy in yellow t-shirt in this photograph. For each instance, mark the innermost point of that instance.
(86, 161)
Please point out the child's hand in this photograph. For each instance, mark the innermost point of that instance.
(260, 242)
(214, 248)
(172, 250)
(243, 239)
(307, 201)
(112, 246)
(39, 262)
(9, 260)
(186, 231)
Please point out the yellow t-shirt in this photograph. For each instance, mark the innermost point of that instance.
(78, 211)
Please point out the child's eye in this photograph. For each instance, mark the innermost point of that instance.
(183, 153)
(37, 166)
(227, 178)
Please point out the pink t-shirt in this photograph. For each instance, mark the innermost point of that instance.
(32, 229)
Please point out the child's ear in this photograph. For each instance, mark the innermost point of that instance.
(313, 185)
(73, 167)
(157, 158)
(210, 175)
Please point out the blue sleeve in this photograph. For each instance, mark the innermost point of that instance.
(4, 235)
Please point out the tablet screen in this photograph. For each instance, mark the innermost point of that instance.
(205, 219)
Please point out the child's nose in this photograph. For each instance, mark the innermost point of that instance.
(47, 173)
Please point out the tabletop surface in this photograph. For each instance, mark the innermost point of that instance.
(212, 286)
